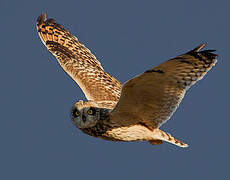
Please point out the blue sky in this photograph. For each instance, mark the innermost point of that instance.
(38, 140)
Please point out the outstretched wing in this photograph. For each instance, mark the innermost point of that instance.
(151, 98)
(78, 61)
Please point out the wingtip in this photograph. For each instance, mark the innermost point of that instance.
(207, 53)
(185, 146)
(41, 19)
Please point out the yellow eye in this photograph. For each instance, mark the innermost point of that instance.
(77, 113)
(90, 111)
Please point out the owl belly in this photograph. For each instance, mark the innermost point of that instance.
(132, 133)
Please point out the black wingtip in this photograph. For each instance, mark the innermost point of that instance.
(41, 19)
(209, 53)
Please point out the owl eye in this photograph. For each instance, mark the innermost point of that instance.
(75, 113)
(91, 111)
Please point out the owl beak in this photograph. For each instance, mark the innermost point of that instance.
(83, 118)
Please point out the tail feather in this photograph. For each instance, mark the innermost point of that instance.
(160, 135)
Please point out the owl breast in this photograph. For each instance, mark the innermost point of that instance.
(99, 130)
(101, 126)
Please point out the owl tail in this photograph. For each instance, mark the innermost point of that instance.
(160, 136)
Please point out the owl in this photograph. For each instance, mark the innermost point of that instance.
(135, 110)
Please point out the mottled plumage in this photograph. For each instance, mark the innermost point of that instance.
(78, 61)
(131, 112)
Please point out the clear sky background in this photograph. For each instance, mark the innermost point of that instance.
(37, 138)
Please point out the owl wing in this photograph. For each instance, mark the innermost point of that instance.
(78, 62)
(151, 98)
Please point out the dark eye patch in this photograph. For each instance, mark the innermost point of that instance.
(75, 112)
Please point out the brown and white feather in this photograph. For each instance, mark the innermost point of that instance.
(152, 97)
(78, 61)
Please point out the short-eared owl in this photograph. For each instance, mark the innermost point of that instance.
(135, 110)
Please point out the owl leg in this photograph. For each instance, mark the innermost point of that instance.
(160, 136)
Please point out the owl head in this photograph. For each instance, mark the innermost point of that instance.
(85, 114)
